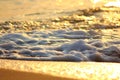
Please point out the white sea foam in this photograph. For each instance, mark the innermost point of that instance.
(58, 48)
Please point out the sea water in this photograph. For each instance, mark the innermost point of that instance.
(41, 9)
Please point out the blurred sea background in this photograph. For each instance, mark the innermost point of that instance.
(20, 10)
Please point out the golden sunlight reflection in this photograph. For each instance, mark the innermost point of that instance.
(95, 1)
(113, 3)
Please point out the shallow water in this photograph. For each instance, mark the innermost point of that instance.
(41, 9)
(79, 37)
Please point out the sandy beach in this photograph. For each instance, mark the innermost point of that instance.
(29, 70)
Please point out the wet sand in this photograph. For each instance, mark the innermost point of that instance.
(30, 70)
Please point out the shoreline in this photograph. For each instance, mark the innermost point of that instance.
(84, 35)
(46, 40)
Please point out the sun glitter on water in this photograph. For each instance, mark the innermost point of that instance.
(95, 1)
(113, 3)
